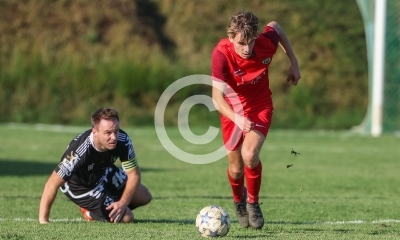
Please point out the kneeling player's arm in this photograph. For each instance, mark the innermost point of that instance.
(133, 182)
(130, 164)
(131, 169)
(48, 196)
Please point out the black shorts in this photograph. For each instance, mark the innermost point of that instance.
(96, 199)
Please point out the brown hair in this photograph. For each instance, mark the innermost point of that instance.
(245, 23)
(104, 113)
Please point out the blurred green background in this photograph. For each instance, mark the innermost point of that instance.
(61, 60)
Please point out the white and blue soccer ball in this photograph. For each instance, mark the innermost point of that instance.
(213, 221)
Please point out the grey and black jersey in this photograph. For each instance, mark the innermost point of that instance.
(84, 167)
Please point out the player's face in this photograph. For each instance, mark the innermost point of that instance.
(105, 134)
(243, 49)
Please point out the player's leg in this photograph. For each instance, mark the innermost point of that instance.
(252, 165)
(236, 179)
(128, 216)
(86, 200)
(141, 197)
(253, 172)
(109, 191)
(99, 211)
(93, 205)
(235, 174)
(233, 139)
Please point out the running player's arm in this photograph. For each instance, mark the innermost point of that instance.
(48, 196)
(219, 73)
(294, 71)
(219, 100)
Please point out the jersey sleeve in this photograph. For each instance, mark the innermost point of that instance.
(69, 162)
(128, 156)
(271, 34)
(219, 66)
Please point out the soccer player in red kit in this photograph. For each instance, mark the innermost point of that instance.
(242, 96)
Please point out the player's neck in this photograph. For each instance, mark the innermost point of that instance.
(96, 144)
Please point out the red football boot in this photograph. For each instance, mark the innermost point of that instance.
(85, 214)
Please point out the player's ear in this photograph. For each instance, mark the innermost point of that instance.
(230, 39)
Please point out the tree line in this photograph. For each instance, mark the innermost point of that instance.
(61, 60)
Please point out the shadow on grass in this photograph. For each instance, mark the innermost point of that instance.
(295, 223)
(343, 231)
(212, 197)
(186, 221)
(182, 221)
(17, 167)
(193, 222)
(249, 237)
(195, 197)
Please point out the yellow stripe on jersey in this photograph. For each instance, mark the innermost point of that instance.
(130, 164)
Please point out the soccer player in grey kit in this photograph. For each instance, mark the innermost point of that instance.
(88, 176)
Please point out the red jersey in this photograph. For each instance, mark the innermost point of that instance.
(248, 78)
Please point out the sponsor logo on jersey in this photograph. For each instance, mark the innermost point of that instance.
(119, 179)
(108, 201)
(255, 80)
(266, 60)
(259, 125)
(68, 163)
(238, 73)
(90, 167)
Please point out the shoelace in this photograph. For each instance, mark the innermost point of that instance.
(257, 209)
(241, 209)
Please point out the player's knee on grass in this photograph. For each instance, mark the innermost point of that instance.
(147, 197)
(128, 216)
(140, 198)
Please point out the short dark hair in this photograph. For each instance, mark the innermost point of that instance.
(104, 113)
(245, 23)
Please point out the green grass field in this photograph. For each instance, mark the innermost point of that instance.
(342, 186)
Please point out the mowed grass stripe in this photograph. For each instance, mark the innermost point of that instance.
(183, 221)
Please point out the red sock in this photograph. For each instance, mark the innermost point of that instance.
(237, 186)
(253, 181)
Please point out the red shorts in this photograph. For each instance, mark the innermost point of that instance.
(232, 135)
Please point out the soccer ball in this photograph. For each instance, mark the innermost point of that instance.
(213, 221)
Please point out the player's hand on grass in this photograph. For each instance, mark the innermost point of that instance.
(43, 221)
(117, 211)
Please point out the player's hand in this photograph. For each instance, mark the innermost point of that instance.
(294, 74)
(245, 124)
(43, 221)
(117, 211)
